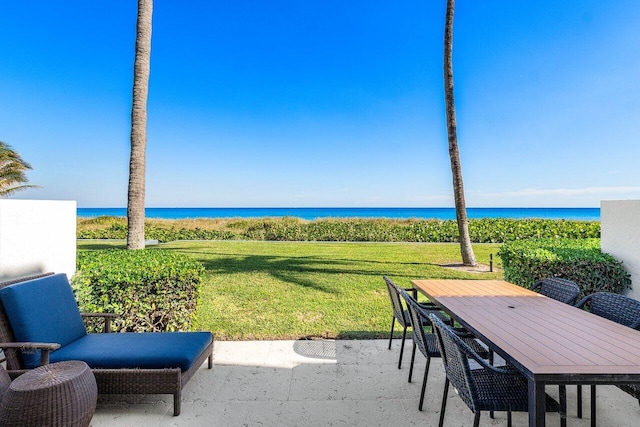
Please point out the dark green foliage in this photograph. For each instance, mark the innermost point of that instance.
(150, 290)
(489, 230)
(579, 260)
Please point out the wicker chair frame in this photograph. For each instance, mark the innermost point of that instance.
(400, 314)
(426, 342)
(562, 290)
(620, 309)
(488, 388)
(109, 381)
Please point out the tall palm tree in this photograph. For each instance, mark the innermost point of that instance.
(468, 257)
(12, 171)
(137, 162)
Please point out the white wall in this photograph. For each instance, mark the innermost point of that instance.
(620, 236)
(37, 236)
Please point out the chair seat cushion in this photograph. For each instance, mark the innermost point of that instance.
(146, 350)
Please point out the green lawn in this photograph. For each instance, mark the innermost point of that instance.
(289, 290)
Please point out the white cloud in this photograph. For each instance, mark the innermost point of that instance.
(563, 197)
(566, 191)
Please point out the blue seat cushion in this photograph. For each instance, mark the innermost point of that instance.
(42, 310)
(150, 350)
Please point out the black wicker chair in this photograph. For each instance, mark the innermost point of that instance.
(620, 309)
(487, 388)
(562, 290)
(426, 342)
(401, 315)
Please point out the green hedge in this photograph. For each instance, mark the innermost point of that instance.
(151, 290)
(581, 261)
(489, 230)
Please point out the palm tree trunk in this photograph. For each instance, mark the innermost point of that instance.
(137, 162)
(468, 257)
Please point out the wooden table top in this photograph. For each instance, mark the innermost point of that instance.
(542, 335)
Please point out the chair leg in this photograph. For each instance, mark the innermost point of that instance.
(413, 357)
(210, 361)
(562, 391)
(393, 322)
(443, 406)
(424, 383)
(509, 422)
(490, 363)
(579, 399)
(593, 405)
(476, 419)
(177, 397)
(404, 335)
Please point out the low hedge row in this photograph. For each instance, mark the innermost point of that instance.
(489, 230)
(151, 290)
(580, 260)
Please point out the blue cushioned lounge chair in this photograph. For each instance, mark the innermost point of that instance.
(41, 316)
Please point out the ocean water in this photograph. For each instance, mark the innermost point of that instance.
(583, 214)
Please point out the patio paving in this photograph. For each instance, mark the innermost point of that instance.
(327, 383)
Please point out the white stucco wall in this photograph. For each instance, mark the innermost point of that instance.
(37, 236)
(620, 236)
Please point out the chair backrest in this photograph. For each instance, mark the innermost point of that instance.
(394, 295)
(418, 319)
(615, 307)
(562, 290)
(42, 310)
(12, 355)
(456, 362)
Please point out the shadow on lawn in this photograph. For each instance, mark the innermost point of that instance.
(98, 246)
(289, 269)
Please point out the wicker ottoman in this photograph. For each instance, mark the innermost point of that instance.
(59, 394)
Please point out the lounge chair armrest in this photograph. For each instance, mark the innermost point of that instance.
(44, 347)
(31, 345)
(106, 316)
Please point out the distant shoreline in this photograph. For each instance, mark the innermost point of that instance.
(582, 214)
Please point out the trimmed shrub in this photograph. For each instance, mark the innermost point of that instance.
(488, 230)
(151, 290)
(580, 260)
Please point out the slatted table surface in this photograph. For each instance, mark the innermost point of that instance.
(548, 341)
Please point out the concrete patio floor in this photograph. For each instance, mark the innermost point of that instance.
(327, 383)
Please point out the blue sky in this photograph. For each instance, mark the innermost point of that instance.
(327, 102)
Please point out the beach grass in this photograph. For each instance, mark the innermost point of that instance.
(292, 290)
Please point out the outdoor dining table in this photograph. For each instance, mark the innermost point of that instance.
(547, 341)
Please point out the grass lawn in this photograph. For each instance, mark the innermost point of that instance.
(290, 290)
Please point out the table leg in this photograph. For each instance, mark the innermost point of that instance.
(536, 403)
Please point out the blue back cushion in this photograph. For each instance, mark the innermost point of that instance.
(42, 310)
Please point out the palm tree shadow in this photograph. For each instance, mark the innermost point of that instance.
(287, 269)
